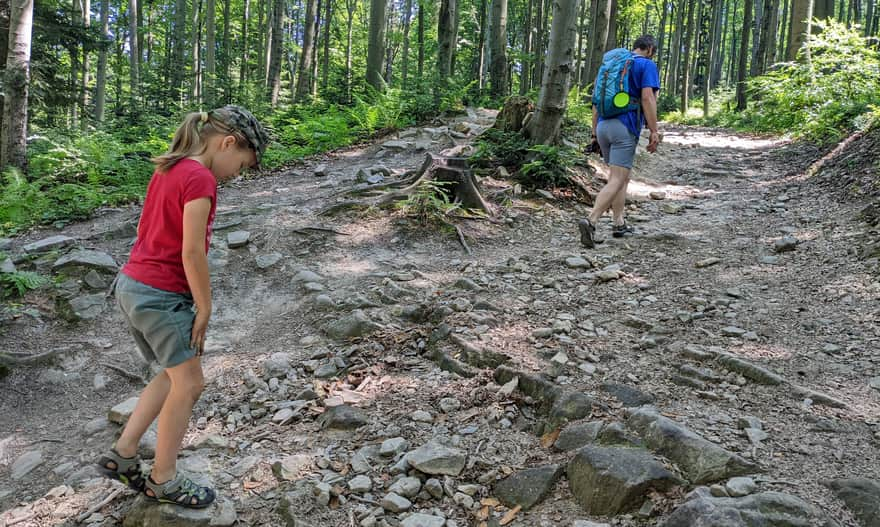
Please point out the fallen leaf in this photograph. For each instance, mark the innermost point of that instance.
(510, 515)
(250, 485)
(549, 438)
(490, 502)
(483, 514)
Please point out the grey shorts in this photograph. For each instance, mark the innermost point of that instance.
(160, 321)
(617, 142)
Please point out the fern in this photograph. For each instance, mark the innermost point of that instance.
(20, 282)
(430, 203)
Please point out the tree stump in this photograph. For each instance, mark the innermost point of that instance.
(514, 113)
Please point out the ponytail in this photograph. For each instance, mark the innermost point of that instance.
(190, 138)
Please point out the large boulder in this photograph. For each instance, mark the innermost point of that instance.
(88, 259)
(616, 480)
(528, 487)
(862, 497)
(701, 460)
(767, 509)
(146, 513)
(356, 324)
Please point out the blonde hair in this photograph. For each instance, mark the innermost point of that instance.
(191, 137)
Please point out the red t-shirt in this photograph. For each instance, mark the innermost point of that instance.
(156, 258)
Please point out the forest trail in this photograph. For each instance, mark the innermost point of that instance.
(738, 310)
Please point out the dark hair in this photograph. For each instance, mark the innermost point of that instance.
(646, 42)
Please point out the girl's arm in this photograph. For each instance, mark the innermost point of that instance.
(195, 265)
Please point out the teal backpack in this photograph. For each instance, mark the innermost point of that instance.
(611, 89)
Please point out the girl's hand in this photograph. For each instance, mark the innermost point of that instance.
(200, 327)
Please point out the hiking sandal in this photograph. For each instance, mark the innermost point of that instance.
(128, 470)
(180, 491)
(624, 229)
(588, 233)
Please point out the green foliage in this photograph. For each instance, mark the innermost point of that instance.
(577, 124)
(20, 282)
(430, 203)
(497, 147)
(549, 165)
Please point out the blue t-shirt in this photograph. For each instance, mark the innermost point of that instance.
(643, 75)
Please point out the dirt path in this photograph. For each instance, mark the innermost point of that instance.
(702, 273)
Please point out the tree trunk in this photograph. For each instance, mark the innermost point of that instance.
(210, 78)
(261, 34)
(661, 40)
(421, 42)
(245, 55)
(325, 66)
(717, 45)
(4, 45)
(823, 9)
(498, 66)
(784, 32)
(101, 83)
(275, 52)
(407, 23)
(801, 13)
(445, 43)
(350, 6)
(178, 65)
(313, 74)
(611, 41)
(86, 68)
(196, 88)
(480, 58)
(226, 56)
(581, 37)
(686, 63)
(304, 70)
(544, 126)
(743, 57)
(526, 67)
(599, 38)
(134, 54)
(376, 45)
(709, 53)
(869, 18)
(13, 137)
(767, 40)
(540, 41)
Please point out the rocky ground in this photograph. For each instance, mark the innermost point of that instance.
(363, 370)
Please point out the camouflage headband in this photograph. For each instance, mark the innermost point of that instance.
(244, 122)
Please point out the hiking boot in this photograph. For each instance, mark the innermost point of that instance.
(624, 229)
(588, 233)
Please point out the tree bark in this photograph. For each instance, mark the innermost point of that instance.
(245, 50)
(611, 41)
(498, 66)
(313, 75)
(4, 45)
(325, 66)
(210, 78)
(101, 82)
(823, 9)
(349, 28)
(742, 72)
(801, 13)
(134, 53)
(304, 71)
(196, 88)
(421, 38)
(86, 68)
(686, 63)
(767, 40)
(446, 43)
(544, 126)
(13, 137)
(178, 66)
(226, 56)
(407, 23)
(526, 67)
(599, 35)
(376, 45)
(480, 58)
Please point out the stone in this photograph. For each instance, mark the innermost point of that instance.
(6, 265)
(395, 503)
(146, 513)
(785, 244)
(355, 324)
(320, 170)
(342, 417)
(265, 261)
(95, 281)
(671, 208)
(396, 145)
(5, 244)
(291, 468)
(615, 480)
(576, 262)
(236, 239)
(434, 488)
(434, 458)
(701, 460)
(87, 307)
(326, 370)
(586, 523)
(874, 383)
(570, 406)
(463, 500)
(756, 435)
(740, 486)
(392, 447)
(732, 331)
(748, 370)
(97, 260)
(861, 496)
(769, 260)
(25, 463)
(307, 276)
(423, 520)
(121, 412)
(313, 287)
(707, 262)
(576, 435)
(360, 484)
(607, 276)
(422, 416)
(449, 404)
(277, 365)
(467, 283)
(767, 509)
(408, 487)
(49, 244)
(657, 195)
(528, 487)
(324, 302)
(628, 395)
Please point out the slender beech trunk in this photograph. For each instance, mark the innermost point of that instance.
(407, 23)
(421, 40)
(304, 71)
(86, 68)
(376, 45)
(178, 66)
(743, 57)
(526, 68)
(480, 59)
(499, 49)
(196, 88)
(226, 55)
(801, 13)
(350, 6)
(275, 52)
(101, 82)
(210, 79)
(245, 50)
(13, 136)
(544, 126)
(686, 62)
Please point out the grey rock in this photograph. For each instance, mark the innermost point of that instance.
(756, 435)
(265, 261)
(327, 370)
(733, 331)
(874, 383)
(434, 488)
(307, 276)
(360, 484)
(434, 458)
(86, 258)
(355, 324)
(362, 461)
(614, 433)
(528, 487)
(467, 283)
(463, 500)
(707, 262)
(121, 412)
(767, 509)
(396, 145)
(95, 281)
(769, 260)
(449, 404)
(395, 503)
(740, 486)
(342, 417)
(236, 239)
(785, 244)
(6, 265)
(749, 370)
(320, 170)
(48, 244)
(577, 435)
(570, 406)
(701, 460)
(423, 520)
(392, 447)
(576, 262)
(145, 513)
(5, 244)
(615, 480)
(818, 397)
(25, 463)
(291, 468)
(422, 416)
(277, 365)
(296, 507)
(862, 497)
(628, 395)
(586, 523)
(408, 487)
(313, 287)
(324, 302)
(87, 307)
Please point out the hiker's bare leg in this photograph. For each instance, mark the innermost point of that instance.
(617, 181)
(148, 407)
(187, 383)
(618, 205)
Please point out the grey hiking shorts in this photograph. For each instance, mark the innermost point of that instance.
(160, 321)
(617, 142)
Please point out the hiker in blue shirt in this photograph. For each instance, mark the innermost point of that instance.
(618, 136)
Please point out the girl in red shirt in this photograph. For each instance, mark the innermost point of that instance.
(164, 292)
